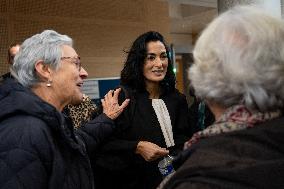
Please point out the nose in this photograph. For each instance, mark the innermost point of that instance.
(83, 73)
(159, 62)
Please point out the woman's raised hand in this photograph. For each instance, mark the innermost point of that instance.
(110, 104)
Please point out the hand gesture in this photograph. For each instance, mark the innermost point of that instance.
(150, 151)
(110, 104)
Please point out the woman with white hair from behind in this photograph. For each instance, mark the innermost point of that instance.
(239, 71)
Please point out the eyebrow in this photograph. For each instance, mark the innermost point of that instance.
(156, 54)
(151, 54)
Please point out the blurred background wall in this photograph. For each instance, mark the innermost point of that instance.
(101, 29)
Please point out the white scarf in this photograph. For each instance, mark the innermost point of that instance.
(164, 119)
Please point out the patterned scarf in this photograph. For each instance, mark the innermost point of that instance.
(82, 113)
(234, 118)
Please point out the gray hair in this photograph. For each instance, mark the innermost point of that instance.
(239, 59)
(45, 46)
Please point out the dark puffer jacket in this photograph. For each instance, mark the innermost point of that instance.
(38, 147)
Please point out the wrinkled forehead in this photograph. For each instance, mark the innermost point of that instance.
(68, 51)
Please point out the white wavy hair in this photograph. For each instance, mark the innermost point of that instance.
(239, 59)
(45, 46)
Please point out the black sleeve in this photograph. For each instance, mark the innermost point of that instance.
(116, 143)
(182, 126)
(193, 116)
(95, 132)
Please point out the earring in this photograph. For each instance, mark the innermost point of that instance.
(48, 83)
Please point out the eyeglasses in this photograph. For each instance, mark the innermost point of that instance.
(75, 60)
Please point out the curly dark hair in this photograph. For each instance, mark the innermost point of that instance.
(132, 73)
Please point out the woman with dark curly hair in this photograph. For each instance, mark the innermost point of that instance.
(154, 124)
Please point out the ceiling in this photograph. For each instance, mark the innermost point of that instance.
(190, 18)
(187, 19)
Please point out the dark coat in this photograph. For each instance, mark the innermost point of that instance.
(38, 148)
(117, 159)
(252, 158)
(5, 76)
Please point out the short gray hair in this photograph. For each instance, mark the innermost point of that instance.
(239, 59)
(45, 46)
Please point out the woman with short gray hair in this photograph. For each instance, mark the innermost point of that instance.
(38, 146)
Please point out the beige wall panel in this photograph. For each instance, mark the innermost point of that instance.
(129, 10)
(3, 6)
(101, 29)
(3, 43)
(157, 18)
(103, 66)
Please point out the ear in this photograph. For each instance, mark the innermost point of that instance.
(43, 70)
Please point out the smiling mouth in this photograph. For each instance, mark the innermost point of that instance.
(158, 71)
